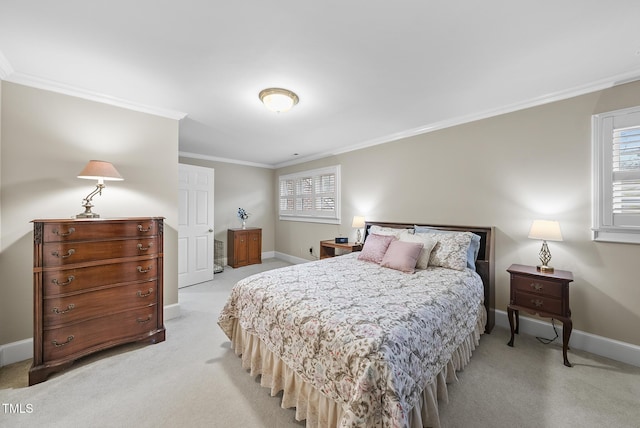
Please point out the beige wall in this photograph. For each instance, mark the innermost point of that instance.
(505, 172)
(241, 186)
(47, 138)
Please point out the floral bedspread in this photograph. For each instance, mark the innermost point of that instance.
(363, 335)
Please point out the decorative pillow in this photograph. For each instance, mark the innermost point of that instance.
(450, 250)
(472, 251)
(374, 247)
(402, 256)
(379, 230)
(428, 243)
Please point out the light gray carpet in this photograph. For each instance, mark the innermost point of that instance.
(193, 379)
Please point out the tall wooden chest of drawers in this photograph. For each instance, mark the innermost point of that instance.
(244, 246)
(97, 283)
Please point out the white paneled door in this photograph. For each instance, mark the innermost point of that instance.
(195, 225)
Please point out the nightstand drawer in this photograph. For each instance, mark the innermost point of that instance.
(537, 286)
(538, 303)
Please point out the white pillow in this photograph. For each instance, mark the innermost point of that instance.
(428, 243)
(389, 231)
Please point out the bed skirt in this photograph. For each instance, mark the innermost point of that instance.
(322, 412)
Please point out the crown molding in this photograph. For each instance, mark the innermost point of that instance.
(224, 160)
(62, 88)
(599, 85)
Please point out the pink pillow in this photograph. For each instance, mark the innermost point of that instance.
(374, 248)
(402, 256)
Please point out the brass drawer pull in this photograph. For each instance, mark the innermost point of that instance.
(144, 270)
(64, 256)
(537, 303)
(537, 286)
(58, 311)
(140, 229)
(58, 344)
(141, 321)
(62, 284)
(146, 294)
(69, 232)
(141, 248)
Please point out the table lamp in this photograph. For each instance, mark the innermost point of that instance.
(101, 171)
(358, 223)
(547, 231)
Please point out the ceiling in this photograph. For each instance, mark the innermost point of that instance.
(366, 72)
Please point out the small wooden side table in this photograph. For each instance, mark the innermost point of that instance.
(545, 294)
(328, 248)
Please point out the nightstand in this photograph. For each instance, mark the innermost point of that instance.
(545, 294)
(328, 248)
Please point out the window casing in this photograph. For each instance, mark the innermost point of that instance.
(312, 196)
(616, 185)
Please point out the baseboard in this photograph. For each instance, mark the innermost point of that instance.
(268, 255)
(171, 311)
(16, 351)
(598, 345)
(291, 259)
(23, 349)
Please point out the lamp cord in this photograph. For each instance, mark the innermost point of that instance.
(548, 341)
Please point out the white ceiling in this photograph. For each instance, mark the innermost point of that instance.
(366, 72)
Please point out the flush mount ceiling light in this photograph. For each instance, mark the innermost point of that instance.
(278, 99)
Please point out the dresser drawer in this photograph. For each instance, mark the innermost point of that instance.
(98, 229)
(537, 286)
(86, 337)
(61, 253)
(82, 306)
(538, 303)
(63, 281)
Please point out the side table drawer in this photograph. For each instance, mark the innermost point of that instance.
(537, 286)
(538, 303)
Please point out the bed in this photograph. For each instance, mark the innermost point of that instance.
(360, 342)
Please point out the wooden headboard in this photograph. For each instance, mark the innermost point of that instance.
(485, 265)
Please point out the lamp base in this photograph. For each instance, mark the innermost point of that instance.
(87, 212)
(88, 215)
(544, 269)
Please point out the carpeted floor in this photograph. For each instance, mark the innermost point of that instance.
(193, 379)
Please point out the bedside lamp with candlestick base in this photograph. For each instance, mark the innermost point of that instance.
(101, 171)
(546, 231)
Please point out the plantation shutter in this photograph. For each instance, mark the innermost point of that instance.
(616, 174)
(626, 177)
(311, 195)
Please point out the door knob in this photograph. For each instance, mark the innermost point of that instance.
(210, 230)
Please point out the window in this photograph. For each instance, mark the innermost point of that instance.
(616, 187)
(311, 196)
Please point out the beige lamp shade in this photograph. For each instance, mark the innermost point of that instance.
(546, 230)
(358, 221)
(101, 171)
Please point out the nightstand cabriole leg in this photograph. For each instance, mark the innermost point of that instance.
(513, 323)
(566, 334)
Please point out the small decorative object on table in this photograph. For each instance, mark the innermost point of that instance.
(243, 215)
